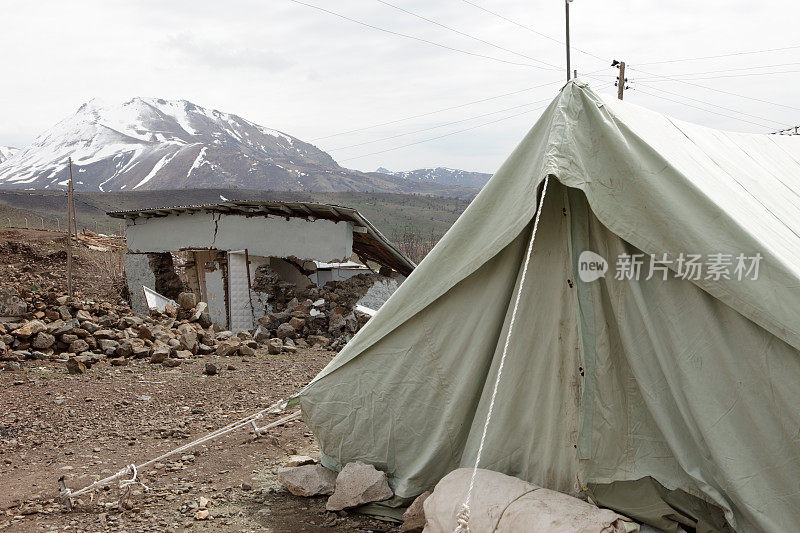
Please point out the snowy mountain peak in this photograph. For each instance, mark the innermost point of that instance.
(7, 152)
(443, 176)
(153, 143)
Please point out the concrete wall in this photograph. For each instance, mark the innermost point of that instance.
(138, 273)
(322, 240)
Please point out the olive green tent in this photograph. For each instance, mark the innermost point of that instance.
(667, 396)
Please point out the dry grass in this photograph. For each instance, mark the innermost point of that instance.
(110, 270)
(414, 245)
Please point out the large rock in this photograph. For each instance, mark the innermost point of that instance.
(308, 480)
(275, 346)
(159, 354)
(187, 300)
(78, 346)
(31, 328)
(43, 341)
(11, 305)
(188, 338)
(75, 367)
(414, 517)
(358, 484)
(286, 330)
(228, 347)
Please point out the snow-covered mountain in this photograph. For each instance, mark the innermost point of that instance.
(150, 143)
(6, 152)
(442, 176)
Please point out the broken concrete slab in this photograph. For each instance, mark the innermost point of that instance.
(308, 480)
(358, 484)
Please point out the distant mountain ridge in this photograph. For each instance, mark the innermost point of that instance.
(442, 176)
(151, 143)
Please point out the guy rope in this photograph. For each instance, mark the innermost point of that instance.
(462, 518)
(133, 470)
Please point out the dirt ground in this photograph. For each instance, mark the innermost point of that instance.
(89, 426)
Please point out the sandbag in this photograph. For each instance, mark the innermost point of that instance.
(502, 503)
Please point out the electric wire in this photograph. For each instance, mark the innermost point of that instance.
(684, 59)
(512, 21)
(732, 75)
(731, 70)
(413, 37)
(444, 135)
(441, 125)
(465, 34)
(639, 83)
(436, 111)
(668, 78)
(639, 89)
(451, 133)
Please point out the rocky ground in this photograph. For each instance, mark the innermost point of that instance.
(84, 391)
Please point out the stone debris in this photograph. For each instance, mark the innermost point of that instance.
(299, 460)
(358, 484)
(308, 480)
(323, 316)
(414, 517)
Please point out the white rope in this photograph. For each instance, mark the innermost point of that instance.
(133, 469)
(462, 518)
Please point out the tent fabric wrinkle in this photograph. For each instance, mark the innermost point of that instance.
(688, 383)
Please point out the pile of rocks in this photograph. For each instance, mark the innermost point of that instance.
(357, 484)
(325, 316)
(83, 333)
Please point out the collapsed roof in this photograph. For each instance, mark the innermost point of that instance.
(368, 243)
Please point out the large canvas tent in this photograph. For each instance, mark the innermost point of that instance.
(668, 399)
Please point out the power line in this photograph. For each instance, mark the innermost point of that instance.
(449, 134)
(512, 21)
(420, 39)
(712, 104)
(732, 69)
(555, 67)
(735, 75)
(714, 89)
(701, 108)
(435, 111)
(444, 135)
(441, 125)
(721, 55)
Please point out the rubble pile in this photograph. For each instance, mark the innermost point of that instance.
(318, 316)
(82, 333)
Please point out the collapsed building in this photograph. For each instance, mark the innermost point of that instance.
(217, 251)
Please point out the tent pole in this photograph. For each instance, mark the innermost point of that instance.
(566, 5)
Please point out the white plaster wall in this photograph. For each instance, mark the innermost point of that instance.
(323, 240)
(245, 304)
(138, 273)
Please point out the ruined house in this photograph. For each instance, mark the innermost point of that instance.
(217, 249)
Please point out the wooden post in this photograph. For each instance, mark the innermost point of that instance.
(621, 80)
(74, 211)
(69, 231)
(249, 285)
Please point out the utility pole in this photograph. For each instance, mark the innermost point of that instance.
(566, 5)
(69, 231)
(621, 79)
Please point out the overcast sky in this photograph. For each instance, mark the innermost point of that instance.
(311, 74)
